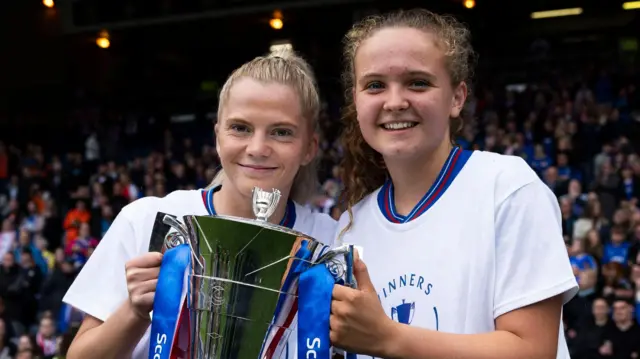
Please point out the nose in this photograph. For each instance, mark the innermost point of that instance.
(395, 101)
(258, 146)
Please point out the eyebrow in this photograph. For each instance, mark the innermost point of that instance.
(285, 124)
(277, 124)
(413, 73)
(230, 120)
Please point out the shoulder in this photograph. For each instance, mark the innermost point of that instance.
(507, 174)
(317, 225)
(518, 190)
(357, 211)
(175, 202)
(138, 218)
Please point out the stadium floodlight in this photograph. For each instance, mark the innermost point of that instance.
(556, 13)
(631, 5)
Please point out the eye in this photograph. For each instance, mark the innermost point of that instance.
(420, 84)
(237, 127)
(374, 86)
(282, 132)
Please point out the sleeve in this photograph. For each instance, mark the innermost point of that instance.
(531, 258)
(100, 287)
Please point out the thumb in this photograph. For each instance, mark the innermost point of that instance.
(361, 273)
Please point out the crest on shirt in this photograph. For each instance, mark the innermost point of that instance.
(409, 300)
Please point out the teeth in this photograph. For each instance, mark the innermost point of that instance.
(398, 125)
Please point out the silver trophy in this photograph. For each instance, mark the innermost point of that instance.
(242, 286)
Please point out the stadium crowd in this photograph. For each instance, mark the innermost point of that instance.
(581, 135)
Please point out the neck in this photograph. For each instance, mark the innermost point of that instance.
(601, 321)
(624, 325)
(228, 201)
(407, 191)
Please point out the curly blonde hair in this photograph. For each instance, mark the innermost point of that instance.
(287, 68)
(363, 168)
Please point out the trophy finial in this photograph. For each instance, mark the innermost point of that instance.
(265, 203)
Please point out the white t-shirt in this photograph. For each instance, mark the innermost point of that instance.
(100, 288)
(485, 240)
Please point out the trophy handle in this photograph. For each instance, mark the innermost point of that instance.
(340, 269)
(181, 238)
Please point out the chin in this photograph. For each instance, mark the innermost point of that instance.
(399, 151)
(246, 186)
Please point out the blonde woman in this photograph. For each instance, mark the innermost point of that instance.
(265, 137)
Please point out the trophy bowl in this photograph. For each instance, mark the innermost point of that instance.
(243, 286)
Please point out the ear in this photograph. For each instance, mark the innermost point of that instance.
(459, 97)
(312, 150)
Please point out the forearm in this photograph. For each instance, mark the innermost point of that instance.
(416, 343)
(116, 338)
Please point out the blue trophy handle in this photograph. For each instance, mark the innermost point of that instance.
(339, 261)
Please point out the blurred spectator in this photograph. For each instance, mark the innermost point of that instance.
(7, 237)
(588, 335)
(615, 282)
(30, 280)
(618, 249)
(33, 221)
(72, 221)
(46, 339)
(57, 284)
(7, 348)
(11, 289)
(585, 268)
(621, 338)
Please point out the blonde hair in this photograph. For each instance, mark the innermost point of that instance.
(287, 68)
(363, 168)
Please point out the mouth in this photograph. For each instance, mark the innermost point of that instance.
(257, 167)
(398, 125)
